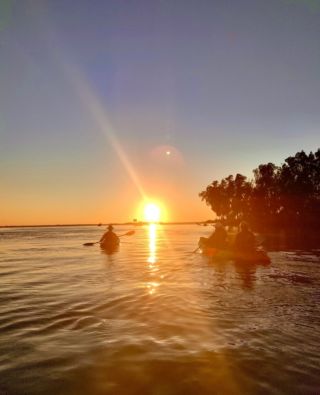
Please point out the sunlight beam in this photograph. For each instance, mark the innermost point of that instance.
(98, 114)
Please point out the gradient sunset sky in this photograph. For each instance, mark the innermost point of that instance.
(106, 103)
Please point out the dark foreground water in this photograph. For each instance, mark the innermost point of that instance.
(153, 318)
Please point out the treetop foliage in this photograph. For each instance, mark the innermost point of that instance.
(277, 196)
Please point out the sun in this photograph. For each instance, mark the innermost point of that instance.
(152, 212)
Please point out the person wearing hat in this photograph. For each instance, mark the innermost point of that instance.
(245, 240)
(109, 237)
(218, 238)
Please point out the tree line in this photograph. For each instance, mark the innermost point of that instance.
(278, 197)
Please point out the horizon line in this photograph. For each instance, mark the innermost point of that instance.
(140, 223)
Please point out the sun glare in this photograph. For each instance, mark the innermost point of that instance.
(152, 213)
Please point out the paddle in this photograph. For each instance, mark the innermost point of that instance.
(199, 246)
(131, 232)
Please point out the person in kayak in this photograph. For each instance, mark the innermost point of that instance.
(218, 238)
(109, 238)
(245, 240)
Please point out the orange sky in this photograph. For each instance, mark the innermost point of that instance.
(53, 206)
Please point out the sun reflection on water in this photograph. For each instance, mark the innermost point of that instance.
(152, 259)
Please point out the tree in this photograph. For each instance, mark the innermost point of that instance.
(299, 188)
(265, 204)
(285, 196)
(229, 198)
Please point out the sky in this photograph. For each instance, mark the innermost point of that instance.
(105, 105)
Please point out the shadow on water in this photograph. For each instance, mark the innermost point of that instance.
(110, 251)
(247, 275)
(246, 272)
(295, 239)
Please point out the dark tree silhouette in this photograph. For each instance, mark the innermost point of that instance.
(229, 198)
(265, 204)
(299, 189)
(277, 197)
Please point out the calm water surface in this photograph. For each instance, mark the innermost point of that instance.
(153, 318)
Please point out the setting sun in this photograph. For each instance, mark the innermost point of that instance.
(152, 212)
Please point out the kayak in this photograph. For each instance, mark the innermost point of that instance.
(110, 246)
(257, 256)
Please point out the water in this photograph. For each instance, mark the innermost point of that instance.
(153, 318)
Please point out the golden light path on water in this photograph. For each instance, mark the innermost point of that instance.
(152, 243)
(152, 259)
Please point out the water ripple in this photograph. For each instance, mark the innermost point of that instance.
(153, 320)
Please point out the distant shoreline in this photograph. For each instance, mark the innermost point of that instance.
(136, 224)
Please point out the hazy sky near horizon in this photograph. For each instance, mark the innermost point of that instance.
(94, 95)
